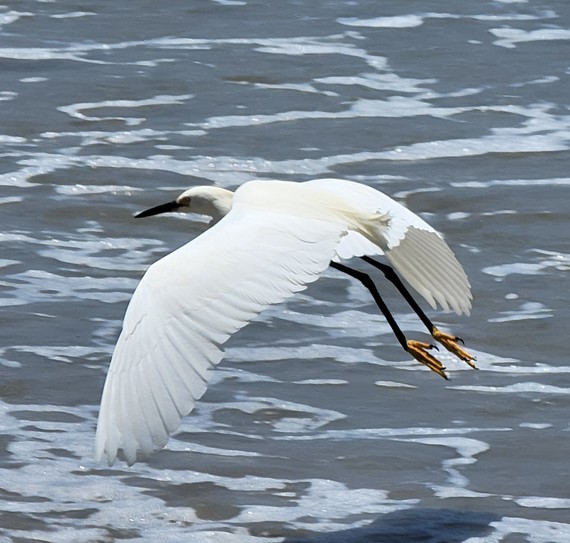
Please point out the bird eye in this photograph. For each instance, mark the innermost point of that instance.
(185, 201)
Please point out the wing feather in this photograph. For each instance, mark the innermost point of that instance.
(417, 251)
(429, 266)
(184, 309)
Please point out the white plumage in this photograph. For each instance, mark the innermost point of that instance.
(269, 240)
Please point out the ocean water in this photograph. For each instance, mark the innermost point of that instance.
(317, 427)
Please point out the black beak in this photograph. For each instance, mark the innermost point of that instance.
(162, 208)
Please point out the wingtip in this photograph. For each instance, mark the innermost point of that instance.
(102, 455)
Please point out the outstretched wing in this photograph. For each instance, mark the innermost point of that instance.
(417, 251)
(184, 309)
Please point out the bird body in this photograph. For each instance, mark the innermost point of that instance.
(268, 240)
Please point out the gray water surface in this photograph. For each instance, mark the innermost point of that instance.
(317, 427)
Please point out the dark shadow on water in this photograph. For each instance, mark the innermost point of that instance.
(409, 526)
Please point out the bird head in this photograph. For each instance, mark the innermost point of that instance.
(214, 202)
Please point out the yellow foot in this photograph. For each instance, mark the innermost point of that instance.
(450, 343)
(419, 351)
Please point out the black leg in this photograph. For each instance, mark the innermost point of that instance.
(391, 275)
(447, 340)
(365, 279)
(417, 349)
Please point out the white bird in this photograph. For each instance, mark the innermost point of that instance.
(267, 241)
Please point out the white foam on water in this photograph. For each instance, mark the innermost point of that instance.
(76, 110)
(305, 352)
(393, 384)
(65, 353)
(534, 531)
(458, 216)
(8, 140)
(239, 375)
(39, 285)
(325, 382)
(334, 44)
(122, 137)
(535, 426)
(396, 434)
(520, 268)
(39, 164)
(541, 502)
(6, 96)
(415, 20)
(4, 262)
(379, 81)
(554, 259)
(392, 107)
(56, 480)
(516, 388)
(238, 534)
(299, 87)
(357, 323)
(73, 14)
(396, 21)
(544, 14)
(87, 248)
(542, 132)
(466, 448)
(329, 501)
(183, 446)
(231, 171)
(11, 200)
(33, 79)
(10, 17)
(306, 418)
(40, 53)
(560, 181)
(78, 189)
(510, 37)
(527, 311)
(231, 2)
(516, 367)
(58, 485)
(502, 143)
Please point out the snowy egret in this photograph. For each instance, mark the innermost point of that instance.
(267, 241)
